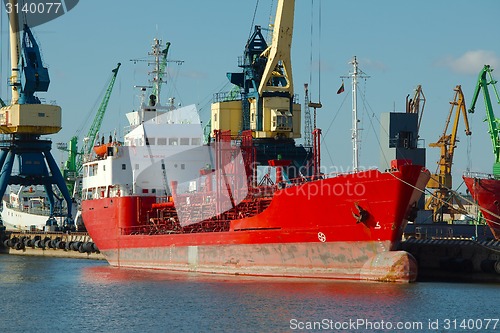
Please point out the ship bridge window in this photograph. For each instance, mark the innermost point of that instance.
(162, 141)
(93, 170)
(150, 141)
(89, 193)
(196, 141)
(173, 141)
(184, 141)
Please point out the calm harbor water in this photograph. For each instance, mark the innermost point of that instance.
(73, 295)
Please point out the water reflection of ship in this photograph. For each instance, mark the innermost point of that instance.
(293, 288)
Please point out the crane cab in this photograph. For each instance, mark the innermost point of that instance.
(279, 118)
(35, 119)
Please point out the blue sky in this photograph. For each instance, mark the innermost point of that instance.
(399, 44)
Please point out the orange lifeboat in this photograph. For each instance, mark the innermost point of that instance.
(101, 150)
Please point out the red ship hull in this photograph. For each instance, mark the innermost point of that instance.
(309, 230)
(486, 192)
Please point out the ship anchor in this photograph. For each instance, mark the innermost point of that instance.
(361, 215)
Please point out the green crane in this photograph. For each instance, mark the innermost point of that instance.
(485, 78)
(74, 163)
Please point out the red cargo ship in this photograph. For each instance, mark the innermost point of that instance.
(303, 230)
(255, 203)
(485, 190)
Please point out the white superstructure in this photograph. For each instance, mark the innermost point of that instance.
(167, 144)
(162, 142)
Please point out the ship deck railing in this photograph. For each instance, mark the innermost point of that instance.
(480, 175)
(35, 211)
(170, 226)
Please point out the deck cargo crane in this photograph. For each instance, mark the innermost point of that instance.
(486, 78)
(443, 198)
(26, 119)
(266, 104)
(73, 165)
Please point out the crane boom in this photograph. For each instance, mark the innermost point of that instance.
(15, 52)
(74, 163)
(96, 125)
(485, 78)
(279, 65)
(444, 197)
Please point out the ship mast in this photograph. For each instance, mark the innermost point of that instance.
(355, 121)
(156, 53)
(355, 148)
(159, 63)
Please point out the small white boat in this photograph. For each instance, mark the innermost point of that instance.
(27, 208)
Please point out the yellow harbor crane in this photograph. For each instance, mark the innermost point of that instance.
(266, 103)
(443, 199)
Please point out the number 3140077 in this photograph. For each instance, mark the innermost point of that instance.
(34, 8)
(470, 324)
